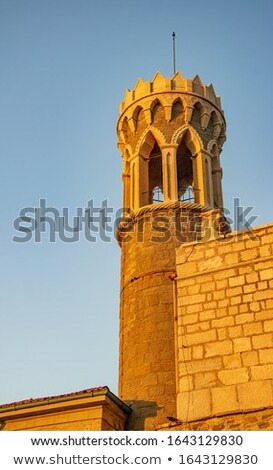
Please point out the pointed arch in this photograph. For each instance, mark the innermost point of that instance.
(157, 110)
(150, 167)
(222, 136)
(124, 129)
(192, 138)
(189, 146)
(177, 108)
(198, 111)
(138, 117)
(146, 136)
(213, 147)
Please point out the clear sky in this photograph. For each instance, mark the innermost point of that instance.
(64, 67)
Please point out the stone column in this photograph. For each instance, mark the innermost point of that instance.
(217, 183)
(204, 178)
(169, 170)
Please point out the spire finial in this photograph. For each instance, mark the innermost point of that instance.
(174, 65)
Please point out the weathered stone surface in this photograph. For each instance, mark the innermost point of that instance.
(242, 318)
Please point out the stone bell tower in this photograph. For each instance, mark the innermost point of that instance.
(170, 134)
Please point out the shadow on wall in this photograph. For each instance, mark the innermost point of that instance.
(141, 410)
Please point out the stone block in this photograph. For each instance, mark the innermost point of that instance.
(238, 246)
(232, 292)
(219, 348)
(253, 395)
(265, 250)
(262, 285)
(250, 358)
(186, 383)
(235, 331)
(236, 281)
(205, 380)
(222, 334)
(200, 326)
(185, 269)
(247, 297)
(224, 400)
(193, 405)
(236, 300)
(241, 344)
(268, 326)
(225, 274)
(248, 288)
(198, 352)
(243, 308)
(244, 318)
(233, 310)
(219, 294)
(221, 284)
(252, 277)
(198, 338)
(193, 308)
(194, 289)
(245, 269)
(249, 254)
(263, 295)
(254, 307)
(233, 361)
(231, 258)
(208, 287)
(204, 278)
(262, 341)
(264, 315)
(189, 319)
(211, 263)
(207, 315)
(254, 328)
(267, 239)
(194, 299)
(203, 365)
(262, 372)
(266, 274)
(233, 376)
(223, 322)
(253, 243)
(266, 356)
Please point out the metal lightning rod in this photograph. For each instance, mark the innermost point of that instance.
(174, 65)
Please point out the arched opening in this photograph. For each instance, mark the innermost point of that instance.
(150, 169)
(125, 129)
(139, 119)
(157, 112)
(155, 175)
(185, 179)
(177, 109)
(212, 128)
(196, 114)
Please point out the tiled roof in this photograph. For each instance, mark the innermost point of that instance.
(31, 401)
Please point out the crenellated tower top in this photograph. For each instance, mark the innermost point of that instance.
(175, 84)
(170, 134)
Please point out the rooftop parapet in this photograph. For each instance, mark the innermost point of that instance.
(177, 83)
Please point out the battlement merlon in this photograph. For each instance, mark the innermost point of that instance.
(176, 84)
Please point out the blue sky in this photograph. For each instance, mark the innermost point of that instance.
(64, 68)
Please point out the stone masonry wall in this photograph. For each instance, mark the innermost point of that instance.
(147, 374)
(225, 329)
